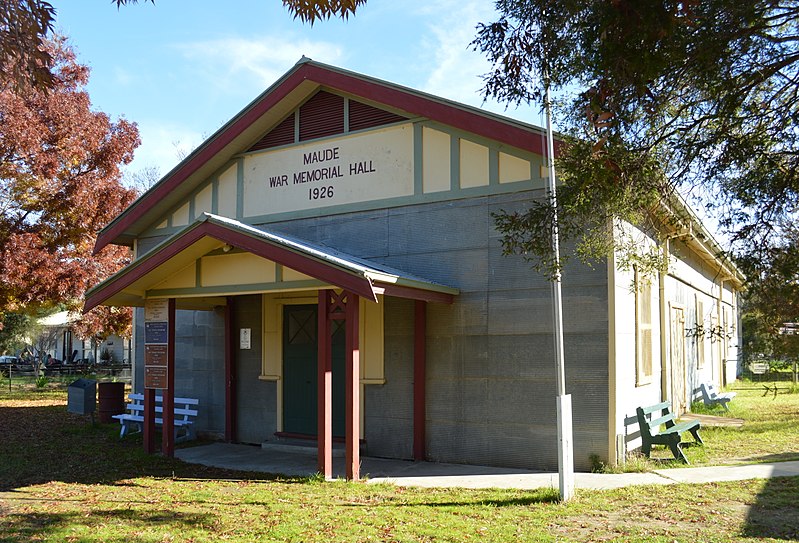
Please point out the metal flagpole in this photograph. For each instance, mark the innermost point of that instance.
(564, 401)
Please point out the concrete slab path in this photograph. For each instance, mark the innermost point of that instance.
(301, 462)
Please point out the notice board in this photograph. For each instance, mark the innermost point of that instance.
(156, 344)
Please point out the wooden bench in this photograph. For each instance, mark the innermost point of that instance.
(650, 420)
(713, 397)
(185, 412)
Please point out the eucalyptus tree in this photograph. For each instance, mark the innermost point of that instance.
(656, 96)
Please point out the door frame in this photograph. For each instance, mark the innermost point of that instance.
(677, 403)
(278, 349)
(310, 365)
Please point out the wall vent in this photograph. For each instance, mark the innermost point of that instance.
(323, 115)
(366, 116)
(282, 134)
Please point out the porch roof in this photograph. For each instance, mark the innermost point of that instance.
(209, 233)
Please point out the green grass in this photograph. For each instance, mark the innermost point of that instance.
(65, 480)
(770, 432)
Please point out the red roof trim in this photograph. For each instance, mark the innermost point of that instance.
(396, 97)
(188, 167)
(400, 291)
(445, 113)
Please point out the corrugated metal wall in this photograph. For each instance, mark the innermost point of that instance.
(491, 371)
(257, 400)
(199, 364)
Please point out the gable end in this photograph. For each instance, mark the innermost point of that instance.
(325, 114)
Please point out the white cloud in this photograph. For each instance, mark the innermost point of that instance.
(261, 61)
(458, 69)
(163, 146)
(236, 70)
(123, 77)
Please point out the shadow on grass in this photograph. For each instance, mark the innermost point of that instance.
(45, 443)
(777, 457)
(24, 527)
(535, 498)
(531, 497)
(774, 514)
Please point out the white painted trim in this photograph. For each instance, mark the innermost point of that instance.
(613, 363)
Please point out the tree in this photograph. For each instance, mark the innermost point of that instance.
(16, 328)
(308, 11)
(142, 180)
(772, 301)
(23, 27)
(59, 185)
(26, 24)
(656, 96)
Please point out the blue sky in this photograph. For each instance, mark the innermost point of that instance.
(181, 69)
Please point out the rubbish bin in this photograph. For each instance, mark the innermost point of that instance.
(112, 400)
(82, 397)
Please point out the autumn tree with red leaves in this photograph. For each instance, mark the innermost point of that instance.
(59, 184)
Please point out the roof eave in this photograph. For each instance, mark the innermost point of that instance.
(328, 268)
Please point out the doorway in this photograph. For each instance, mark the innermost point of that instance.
(678, 370)
(300, 379)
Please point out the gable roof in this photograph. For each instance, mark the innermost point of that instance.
(208, 232)
(272, 106)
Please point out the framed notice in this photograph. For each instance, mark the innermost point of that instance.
(156, 344)
(155, 355)
(155, 377)
(156, 311)
(245, 338)
(156, 333)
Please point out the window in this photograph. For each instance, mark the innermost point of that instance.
(643, 329)
(700, 334)
(301, 330)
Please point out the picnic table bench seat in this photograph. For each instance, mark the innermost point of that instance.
(185, 411)
(712, 397)
(651, 421)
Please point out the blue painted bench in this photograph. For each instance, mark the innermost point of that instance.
(185, 411)
(712, 397)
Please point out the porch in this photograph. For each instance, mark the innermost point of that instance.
(312, 292)
(296, 461)
(253, 458)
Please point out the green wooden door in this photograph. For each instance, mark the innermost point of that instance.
(300, 371)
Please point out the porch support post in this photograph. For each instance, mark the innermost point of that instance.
(419, 376)
(230, 374)
(168, 400)
(324, 400)
(353, 387)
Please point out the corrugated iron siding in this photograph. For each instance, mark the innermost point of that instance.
(365, 116)
(491, 379)
(322, 115)
(282, 134)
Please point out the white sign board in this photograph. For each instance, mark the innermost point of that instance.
(359, 168)
(156, 310)
(245, 338)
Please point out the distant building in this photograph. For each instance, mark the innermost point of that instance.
(57, 339)
(333, 187)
